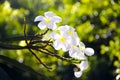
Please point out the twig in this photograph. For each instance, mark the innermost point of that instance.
(39, 35)
(40, 41)
(39, 59)
(53, 54)
(44, 32)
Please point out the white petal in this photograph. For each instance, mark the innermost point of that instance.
(57, 19)
(89, 51)
(54, 35)
(81, 56)
(74, 52)
(64, 28)
(74, 40)
(61, 28)
(56, 45)
(48, 14)
(83, 65)
(77, 39)
(75, 55)
(65, 47)
(41, 25)
(38, 18)
(52, 26)
(78, 74)
(82, 46)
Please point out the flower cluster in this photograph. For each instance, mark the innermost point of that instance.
(66, 38)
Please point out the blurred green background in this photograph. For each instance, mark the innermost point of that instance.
(97, 23)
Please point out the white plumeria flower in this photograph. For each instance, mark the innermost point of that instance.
(70, 32)
(48, 20)
(83, 66)
(78, 74)
(65, 37)
(76, 53)
(61, 41)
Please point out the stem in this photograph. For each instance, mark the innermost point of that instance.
(39, 59)
(39, 35)
(53, 54)
(39, 41)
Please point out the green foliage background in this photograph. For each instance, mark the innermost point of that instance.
(97, 23)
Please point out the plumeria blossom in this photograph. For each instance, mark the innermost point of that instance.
(70, 32)
(61, 41)
(48, 20)
(80, 52)
(83, 66)
(76, 53)
(64, 37)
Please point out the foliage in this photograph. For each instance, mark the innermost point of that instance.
(96, 22)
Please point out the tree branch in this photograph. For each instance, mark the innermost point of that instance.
(12, 47)
(18, 38)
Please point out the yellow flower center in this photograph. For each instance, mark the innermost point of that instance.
(70, 32)
(82, 48)
(47, 20)
(62, 39)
